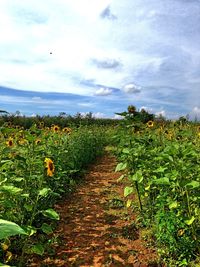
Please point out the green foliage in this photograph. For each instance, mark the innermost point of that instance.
(39, 166)
(162, 166)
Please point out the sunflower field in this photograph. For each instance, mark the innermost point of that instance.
(160, 164)
(38, 167)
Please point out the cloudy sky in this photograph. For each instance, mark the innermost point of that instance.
(100, 56)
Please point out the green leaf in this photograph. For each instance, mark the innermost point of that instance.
(3, 265)
(52, 214)
(18, 179)
(120, 167)
(126, 151)
(38, 249)
(190, 221)
(28, 207)
(46, 228)
(128, 190)
(11, 189)
(173, 205)
(8, 228)
(160, 169)
(162, 181)
(44, 192)
(193, 184)
(30, 230)
(137, 177)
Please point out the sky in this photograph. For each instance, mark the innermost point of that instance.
(100, 56)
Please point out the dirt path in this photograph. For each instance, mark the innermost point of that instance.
(95, 228)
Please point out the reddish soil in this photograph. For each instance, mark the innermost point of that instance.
(96, 228)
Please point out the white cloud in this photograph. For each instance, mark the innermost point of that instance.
(195, 113)
(118, 117)
(103, 92)
(147, 53)
(85, 104)
(131, 88)
(98, 115)
(161, 113)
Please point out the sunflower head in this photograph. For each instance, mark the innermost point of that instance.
(67, 130)
(55, 128)
(50, 166)
(38, 141)
(150, 124)
(9, 124)
(179, 137)
(22, 141)
(10, 142)
(131, 109)
(198, 128)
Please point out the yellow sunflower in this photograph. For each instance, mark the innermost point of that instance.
(50, 166)
(38, 141)
(67, 130)
(150, 124)
(41, 124)
(56, 128)
(22, 141)
(10, 142)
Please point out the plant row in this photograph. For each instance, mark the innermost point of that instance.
(161, 165)
(37, 168)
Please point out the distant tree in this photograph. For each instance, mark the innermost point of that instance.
(62, 114)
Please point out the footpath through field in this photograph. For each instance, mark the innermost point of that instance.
(95, 228)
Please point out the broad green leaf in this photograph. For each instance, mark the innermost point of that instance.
(190, 221)
(28, 207)
(3, 181)
(193, 184)
(38, 249)
(44, 192)
(126, 151)
(162, 181)
(46, 228)
(11, 189)
(173, 205)
(30, 230)
(137, 177)
(4, 265)
(128, 190)
(8, 228)
(147, 187)
(128, 203)
(120, 167)
(18, 179)
(160, 169)
(50, 213)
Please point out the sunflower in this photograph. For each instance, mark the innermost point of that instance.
(150, 124)
(10, 142)
(22, 141)
(198, 128)
(179, 137)
(55, 128)
(37, 141)
(50, 166)
(67, 130)
(41, 124)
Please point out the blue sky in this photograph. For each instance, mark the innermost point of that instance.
(100, 56)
